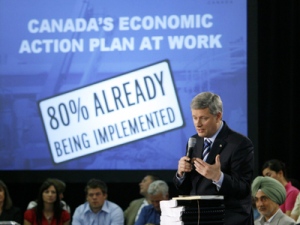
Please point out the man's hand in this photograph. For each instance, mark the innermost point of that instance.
(212, 172)
(184, 166)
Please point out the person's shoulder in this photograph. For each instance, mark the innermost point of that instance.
(291, 190)
(113, 208)
(295, 189)
(136, 201)
(286, 218)
(65, 206)
(134, 206)
(32, 210)
(29, 213)
(112, 205)
(282, 217)
(63, 202)
(31, 204)
(81, 208)
(234, 136)
(233, 132)
(65, 215)
(65, 212)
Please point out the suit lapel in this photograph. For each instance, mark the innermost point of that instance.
(216, 149)
(218, 144)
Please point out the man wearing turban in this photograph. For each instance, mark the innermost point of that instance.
(269, 194)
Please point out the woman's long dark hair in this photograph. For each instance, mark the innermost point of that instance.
(7, 200)
(57, 208)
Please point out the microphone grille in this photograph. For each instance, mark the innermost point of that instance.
(192, 142)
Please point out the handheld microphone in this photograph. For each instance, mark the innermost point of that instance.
(191, 145)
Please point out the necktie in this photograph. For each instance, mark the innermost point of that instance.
(206, 148)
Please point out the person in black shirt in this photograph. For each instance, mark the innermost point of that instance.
(8, 212)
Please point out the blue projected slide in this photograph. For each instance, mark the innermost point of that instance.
(106, 85)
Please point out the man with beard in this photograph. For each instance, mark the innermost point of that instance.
(269, 194)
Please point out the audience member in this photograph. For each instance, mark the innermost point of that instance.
(223, 166)
(296, 210)
(256, 214)
(97, 209)
(8, 212)
(269, 194)
(158, 190)
(132, 212)
(277, 170)
(61, 187)
(48, 210)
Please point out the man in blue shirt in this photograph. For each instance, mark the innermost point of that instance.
(97, 210)
(158, 190)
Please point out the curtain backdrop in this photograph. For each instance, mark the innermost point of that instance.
(278, 86)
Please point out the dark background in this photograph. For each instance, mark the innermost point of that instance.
(273, 68)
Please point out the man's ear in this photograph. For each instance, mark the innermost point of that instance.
(219, 116)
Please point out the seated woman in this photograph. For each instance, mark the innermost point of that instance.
(8, 212)
(48, 210)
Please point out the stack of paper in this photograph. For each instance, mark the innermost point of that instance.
(193, 210)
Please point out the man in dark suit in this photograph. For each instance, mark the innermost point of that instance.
(226, 168)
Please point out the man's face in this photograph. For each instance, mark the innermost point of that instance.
(144, 185)
(96, 198)
(155, 199)
(205, 123)
(265, 205)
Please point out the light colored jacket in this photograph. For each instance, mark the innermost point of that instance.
(131, 212)
(279, 219)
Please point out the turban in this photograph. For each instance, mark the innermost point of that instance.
(271, 187)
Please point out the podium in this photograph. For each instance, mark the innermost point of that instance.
(193, 210)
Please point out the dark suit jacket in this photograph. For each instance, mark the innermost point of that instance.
(236, 157)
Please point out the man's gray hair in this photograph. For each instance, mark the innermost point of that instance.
(207, 100)
(157, 187)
